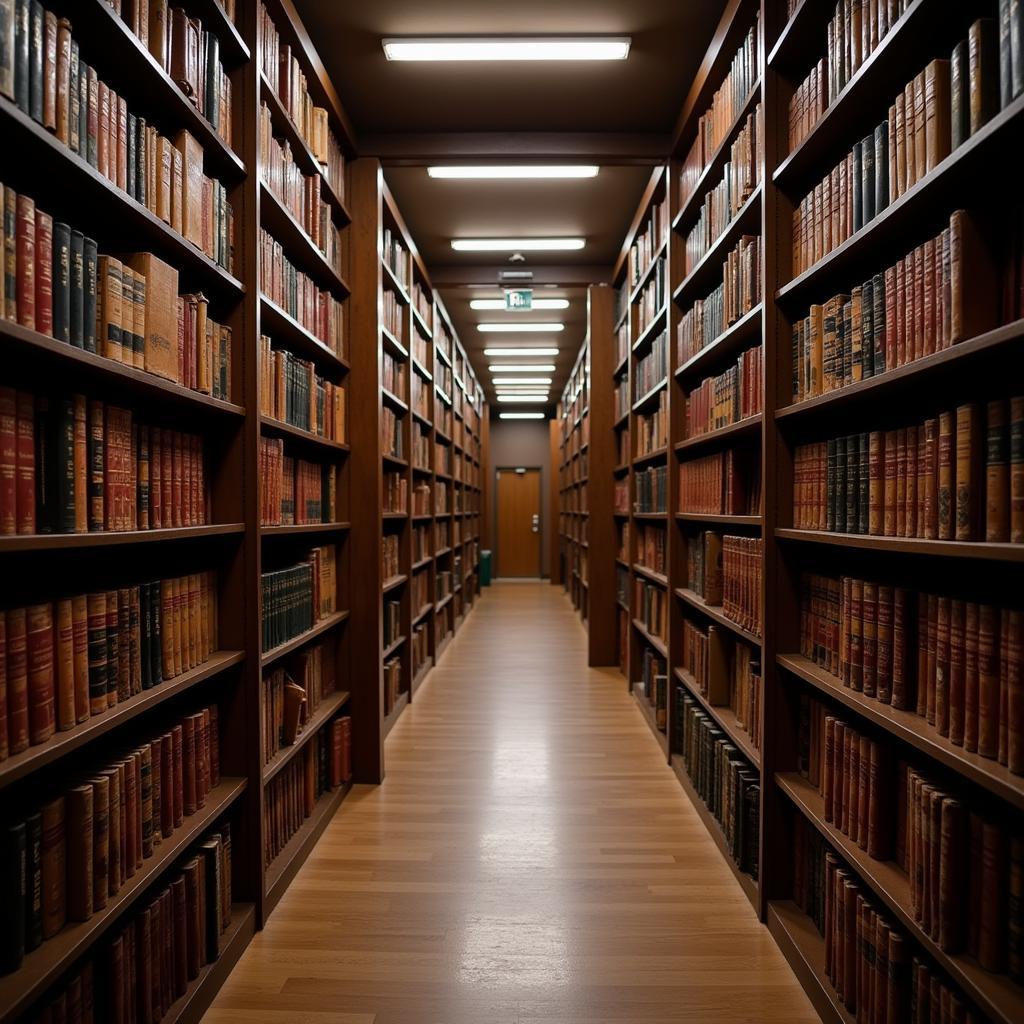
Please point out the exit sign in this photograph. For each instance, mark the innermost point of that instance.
(519, 298)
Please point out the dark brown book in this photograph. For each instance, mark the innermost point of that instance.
(41, 681)
(942, 660)
(992, 927)
(100, 840)
(54, 861)
(988, 681)
(80, 852)
(983, 72)
(997, 472)
(1017, 470)
(968, 468)
(17, 680)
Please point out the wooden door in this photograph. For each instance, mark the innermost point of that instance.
(518, 522)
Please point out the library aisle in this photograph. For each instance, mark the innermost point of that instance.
(529, 857)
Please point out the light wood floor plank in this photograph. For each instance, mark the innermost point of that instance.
(529, 859)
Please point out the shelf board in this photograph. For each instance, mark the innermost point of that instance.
(117, 379)
(715, 612)
(392, 281)
(648, 272)
(651, 330)
(982, 550)
(391, 648)
(646, 399)
(723, 520)
(393, 581)
(424, 328)
(299, 247)
(43, 967)
(421, 369)
(284, 327)
(649, 716)
(656, 456)
(113, 538)
(655, 577)
(655, 641)
(444, 600)
(422, 563)
(709, 267)
(444, 398)
(750, 425)
(394, 517)
(649, 516)
(729, 343)
(328, 707)
(422, 613)
(393, 343)
(283, 868)
(393, 460)
(281, 429)
(996, 995)
(912, 378)
(724, 717)
(619, 470)
(910, 728)
(714, 829)
(420, 418)
(298, 531)
(393, 400)
(323, 626)
(17, 766)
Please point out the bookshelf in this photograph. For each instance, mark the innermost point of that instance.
(574, 478)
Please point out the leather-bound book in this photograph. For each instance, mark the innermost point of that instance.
(942, 660)
(988, 681)
(983, 72)
(131, 808)
(8, 461)
(113, 647)
(189, 765)
(997, 472)
(146, 798)
(193, 961)
(974, 279)
(179, 916)
(17, 680)
(80, 852)
(968, 472)
(54, 858)
(177, 742)
(1013, 642)
(160, 314)
(953, 841)
(109, 314)
(957, 670)
(41, 673)
(33, 881)
(100, 840)
(869, 638)
(211, 854)
(64, 649)
(14, 887)
(992, 931)
(960, 96)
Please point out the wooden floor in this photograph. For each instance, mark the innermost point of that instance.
(529, 859)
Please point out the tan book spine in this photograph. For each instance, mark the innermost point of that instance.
(967, 470)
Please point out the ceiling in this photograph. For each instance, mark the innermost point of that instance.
(619, 115)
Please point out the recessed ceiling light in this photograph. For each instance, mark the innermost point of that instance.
(522, 368)
(517, 48)
(513, 328)
(522, 415)
(536, 304)
(527, 353)
(502, 381)
(517, 244)
(531, 399)
(521, 172)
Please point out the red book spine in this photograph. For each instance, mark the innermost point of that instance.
(25, 234)
(8, 461)
(17, 681)
(26, 463)
(41, 690)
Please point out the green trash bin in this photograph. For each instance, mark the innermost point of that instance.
(485, 568)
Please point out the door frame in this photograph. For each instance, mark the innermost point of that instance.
(539, 470)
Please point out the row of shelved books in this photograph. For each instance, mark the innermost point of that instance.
(716, 123)
(734, 395)
(148, 964)
(728, 785)
(72, 659)
(425, 501)
(71, 465)
(301, 194)
(651, 301)
(622, 341)
(420, 591)
(740, 291)
(423, 304)
(624, 533)
(651, 488)
(315, 309)
(652, 428)
(391, 314)
(725, 483)
(67, 858)
(291, 391)
(726, 673)
(869, 961)
(726, 571)
(421, 447)
(956, 854)
(128, 309)
(652, 370)
(852, 35)
(652, 686)
(421, 351)
(420, 644)
(442, 535)
(396, 258)
(442, 584)
(649, 241)
(955, 663)
(292, 692)
(391, 433)
(288, 82)
(294, 492)
(621, 397)
(186, 51)
(392, 622)
(390, 556)
(290, 797)
(949, 477)
(923, 304)
(651, 547)
(420, 543)
(650, 606)
(42, 71)
(392, 683)
(295, 598)
(420, 392)
(740, 177)
(443, 380)
(392, 374)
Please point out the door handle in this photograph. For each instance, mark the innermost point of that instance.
(535, 525)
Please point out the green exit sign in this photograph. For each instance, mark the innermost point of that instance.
(519, 298)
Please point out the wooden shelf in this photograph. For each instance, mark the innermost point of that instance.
(390, 398)
(714, 611)
(394, 460)
(750, 425)
(284, 327)
(649, 715)
(396, 712)
(910, 728)
(424, 329)
(444, 600)
(721, 520)
(651, 330)
(17, 766)
(656, 456)
(724, 717)
(114, 538)
(298, 531)
(1013, 553)
(323, 626)
(729, 343)
(747, 884)
(329, 706)
(283, 868)
(422, 613)
(640, 404)
(649, 516)
(392, 343)
(996, 995)
(392, 282)
(46, 964)
(655, 577)
(391, 648)
(393, 581)
(279, 428)
(655, 641)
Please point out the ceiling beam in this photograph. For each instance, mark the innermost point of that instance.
(417, 148)
(568, 275)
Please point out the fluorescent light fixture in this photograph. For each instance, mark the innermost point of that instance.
(531, 399)
(514, 48)
(524, 171)
(518, 244)
(513, 328)
(508, 381)
(522, 353)
(522, 389)
(496, 304)
(521, 415)
(522, 368)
